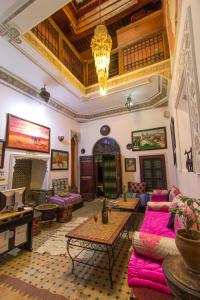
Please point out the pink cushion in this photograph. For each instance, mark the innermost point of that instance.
(159, 206)
(145, 272)
(160, 192)
(155, 222)
(159, 197)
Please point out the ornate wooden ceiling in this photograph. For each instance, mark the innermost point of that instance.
(78, 18)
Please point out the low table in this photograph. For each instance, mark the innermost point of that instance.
(99, 237)
(129, 205)
(184, 284)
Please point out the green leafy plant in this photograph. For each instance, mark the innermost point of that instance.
(188, 209)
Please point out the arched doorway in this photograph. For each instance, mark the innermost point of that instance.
(107, 168)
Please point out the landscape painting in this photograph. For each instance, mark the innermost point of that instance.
(149, 139)
(26, 135)
(2, 152)
(59, 160)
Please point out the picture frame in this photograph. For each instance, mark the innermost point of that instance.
(2, 153)
(149, 139)
(130, 164)
(173, 138)
(59, 160)
(22, 134)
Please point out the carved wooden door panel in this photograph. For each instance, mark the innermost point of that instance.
(87, 177)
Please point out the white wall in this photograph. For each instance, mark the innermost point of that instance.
(121, 128)
(188, 183)
(22, 106)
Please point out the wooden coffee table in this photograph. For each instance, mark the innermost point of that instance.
(129, 205)
(99, 237)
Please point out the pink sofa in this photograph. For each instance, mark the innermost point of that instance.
(146, 272)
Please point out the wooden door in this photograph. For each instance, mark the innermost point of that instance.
(86, 177)
(153, 171)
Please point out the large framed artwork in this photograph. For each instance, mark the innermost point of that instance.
(59, 160)
(2, 153)
(130, 164)
(26, 135)
(149, 139)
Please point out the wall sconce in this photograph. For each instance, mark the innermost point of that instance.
(129, 103)
(61, 138)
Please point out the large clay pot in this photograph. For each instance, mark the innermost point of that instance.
(189, 249)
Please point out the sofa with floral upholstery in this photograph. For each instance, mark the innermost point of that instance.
(62, 195)
(154, 241)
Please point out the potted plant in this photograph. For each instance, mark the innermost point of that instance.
(188, 238)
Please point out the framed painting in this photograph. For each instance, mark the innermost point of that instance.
(2, 153)
(130, 164)
(149, 139)
(173, 137)
(25, 135)
(59, 160)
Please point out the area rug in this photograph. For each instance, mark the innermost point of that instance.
(16, 289)
(56, 244)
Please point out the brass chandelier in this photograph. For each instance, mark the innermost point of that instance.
(101, 45)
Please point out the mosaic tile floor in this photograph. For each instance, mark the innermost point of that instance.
(54, 272)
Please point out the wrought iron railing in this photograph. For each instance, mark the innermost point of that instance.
(139, 54)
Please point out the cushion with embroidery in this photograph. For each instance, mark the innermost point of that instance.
(137, 187)
(153, 246)
(163, 206)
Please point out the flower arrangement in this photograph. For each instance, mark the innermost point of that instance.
(188, 209)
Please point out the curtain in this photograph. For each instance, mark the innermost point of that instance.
(109, 177)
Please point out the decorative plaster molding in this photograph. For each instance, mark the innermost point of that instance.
(187, 68)
(158, 100)
(162, 68)
(16, 83)
(11, 32)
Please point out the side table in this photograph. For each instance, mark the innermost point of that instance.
(48, 211)
(185, 285)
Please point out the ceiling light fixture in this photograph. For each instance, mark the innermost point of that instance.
(129, 103)
(101, 45)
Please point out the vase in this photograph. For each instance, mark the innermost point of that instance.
(189, 249)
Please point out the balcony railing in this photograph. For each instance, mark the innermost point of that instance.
(141, 53)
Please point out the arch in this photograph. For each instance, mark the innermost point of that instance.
(105, 146)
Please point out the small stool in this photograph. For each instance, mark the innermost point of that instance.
(37, 217)
(64, 214)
